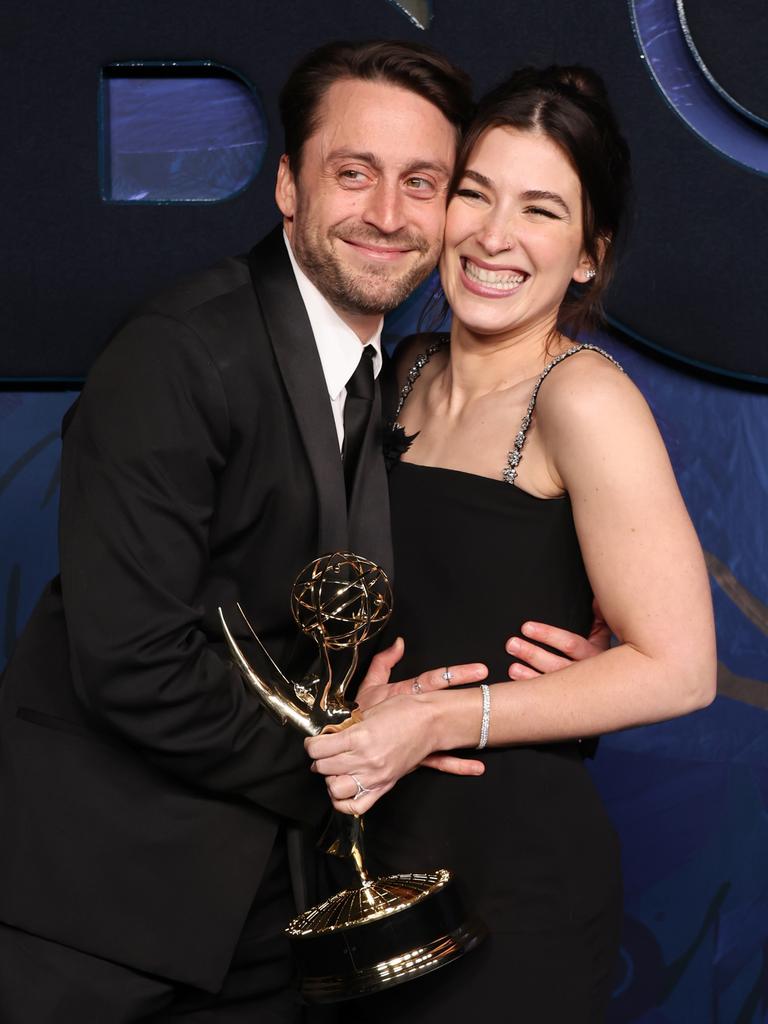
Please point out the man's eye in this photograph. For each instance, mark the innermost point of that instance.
(352, 176)
(420, 184)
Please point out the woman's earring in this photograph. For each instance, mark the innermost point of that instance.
(591, 273)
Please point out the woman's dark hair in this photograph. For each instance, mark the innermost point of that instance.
(568, 105)
(410, 66)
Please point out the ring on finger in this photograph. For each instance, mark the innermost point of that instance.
(447, 675)
(360, 787)
(416, 685)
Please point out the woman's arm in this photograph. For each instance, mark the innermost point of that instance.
(646, 569)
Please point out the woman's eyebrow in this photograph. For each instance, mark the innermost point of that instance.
(539, 194)
(478, 177)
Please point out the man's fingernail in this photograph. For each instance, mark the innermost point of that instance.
(531, 629)
(513, 644)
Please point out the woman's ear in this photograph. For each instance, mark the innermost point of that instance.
(587, 267)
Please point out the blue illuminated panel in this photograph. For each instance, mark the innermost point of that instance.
(691, 95)
(178, 133)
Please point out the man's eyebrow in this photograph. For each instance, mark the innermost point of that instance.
(539, 194)
(428, 165)
(373, 161)
(354, 154)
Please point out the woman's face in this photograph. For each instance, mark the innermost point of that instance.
(513, 235)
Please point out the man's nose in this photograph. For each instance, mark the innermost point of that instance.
(385, 208)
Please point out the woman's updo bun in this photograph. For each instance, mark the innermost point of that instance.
(584, 81)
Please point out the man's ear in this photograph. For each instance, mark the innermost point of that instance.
(285, 188)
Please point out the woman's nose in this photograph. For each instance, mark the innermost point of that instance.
(497, 235)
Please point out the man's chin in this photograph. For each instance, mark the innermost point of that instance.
(371, 294)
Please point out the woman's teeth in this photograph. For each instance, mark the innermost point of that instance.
(502, 280)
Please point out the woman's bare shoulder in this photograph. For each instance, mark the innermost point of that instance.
(585, 385)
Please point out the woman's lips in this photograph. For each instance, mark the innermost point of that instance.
(491, 282)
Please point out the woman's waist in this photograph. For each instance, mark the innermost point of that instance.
(544, 787)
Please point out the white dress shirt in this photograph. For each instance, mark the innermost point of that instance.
(339, 347)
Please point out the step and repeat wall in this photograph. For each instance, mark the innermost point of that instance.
(141, 142)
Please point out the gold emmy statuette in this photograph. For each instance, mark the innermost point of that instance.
(385, 930)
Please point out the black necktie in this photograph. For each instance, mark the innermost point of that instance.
(357, 413)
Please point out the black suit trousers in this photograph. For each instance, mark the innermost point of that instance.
(43, 982)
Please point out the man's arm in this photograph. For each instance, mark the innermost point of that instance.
(142, 458)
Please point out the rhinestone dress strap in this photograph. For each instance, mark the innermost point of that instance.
(415, 372)
(513, 457)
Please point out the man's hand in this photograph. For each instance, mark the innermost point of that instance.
(573, 646)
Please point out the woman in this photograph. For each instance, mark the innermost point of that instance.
(536, 475)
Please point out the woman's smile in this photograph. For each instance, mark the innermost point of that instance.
(489, 280)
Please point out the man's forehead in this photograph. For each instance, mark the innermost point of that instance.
(355, 104)
(364, 120)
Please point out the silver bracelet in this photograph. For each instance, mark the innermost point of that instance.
(486, 720)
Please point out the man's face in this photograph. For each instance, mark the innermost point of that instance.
(366, 212)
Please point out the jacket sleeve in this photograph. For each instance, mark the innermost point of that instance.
(141, 461)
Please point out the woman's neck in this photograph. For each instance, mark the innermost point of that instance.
(481, 364)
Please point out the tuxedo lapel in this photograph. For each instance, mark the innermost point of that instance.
(297, 357)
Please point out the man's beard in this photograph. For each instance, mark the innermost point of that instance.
(373, 291)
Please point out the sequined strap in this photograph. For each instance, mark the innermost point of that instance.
(415, 372)
(513, 457)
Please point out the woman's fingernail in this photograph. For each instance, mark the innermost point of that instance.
(513, 644)
(530, 629)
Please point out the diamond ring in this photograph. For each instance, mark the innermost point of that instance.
(360, 787)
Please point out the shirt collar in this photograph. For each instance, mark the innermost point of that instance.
(339, 347)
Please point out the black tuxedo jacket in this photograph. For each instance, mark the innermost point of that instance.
(141, 785)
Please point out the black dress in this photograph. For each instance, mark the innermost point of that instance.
(529, 842)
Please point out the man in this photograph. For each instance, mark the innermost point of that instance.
(148, 807)
(146, 800)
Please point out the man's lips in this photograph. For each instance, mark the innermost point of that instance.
(383, 253)
(490, 280)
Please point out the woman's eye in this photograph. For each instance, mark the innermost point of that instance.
(543, 212)
(469, 193)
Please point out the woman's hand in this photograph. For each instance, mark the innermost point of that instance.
(376, 686)
(573, 646)
(364, 761)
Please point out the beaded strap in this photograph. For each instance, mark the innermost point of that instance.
(415, 372)
(509, 474)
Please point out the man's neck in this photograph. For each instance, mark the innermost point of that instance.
(364, 325)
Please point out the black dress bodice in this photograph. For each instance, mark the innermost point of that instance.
(474, 559)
